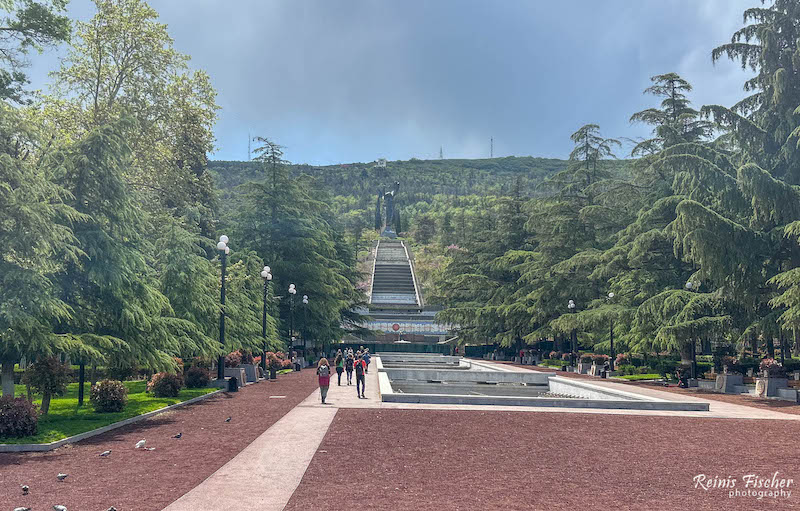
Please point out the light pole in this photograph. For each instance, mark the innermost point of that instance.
(292, 292)
(693, 286)
(305, 320)
(573, 339)
(222, 246)
(611, 335)
(267, 276)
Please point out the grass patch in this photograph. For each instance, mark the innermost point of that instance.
(637, 377)
(66, 418)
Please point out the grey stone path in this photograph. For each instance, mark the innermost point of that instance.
(265, 474)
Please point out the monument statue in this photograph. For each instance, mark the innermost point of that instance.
(388, 199)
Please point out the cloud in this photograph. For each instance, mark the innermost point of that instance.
(357, 80)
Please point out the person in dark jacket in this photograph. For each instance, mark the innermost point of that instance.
(360, 370)
(324, 373)
(349, 363)
(339, 363)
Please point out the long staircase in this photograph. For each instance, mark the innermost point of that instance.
(393, 276)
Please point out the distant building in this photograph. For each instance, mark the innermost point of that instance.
(381, 162)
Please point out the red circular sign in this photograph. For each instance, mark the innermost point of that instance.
(395, 327)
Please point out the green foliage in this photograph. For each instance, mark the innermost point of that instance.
(165, 384)
(109, 396)
(18, 417)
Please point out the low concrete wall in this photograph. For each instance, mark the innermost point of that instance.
(544, 402)
(419, 358)
(583, 390)
(533, 377)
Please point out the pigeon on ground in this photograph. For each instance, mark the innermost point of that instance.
(178, 435)
(149, 448)
(22, 509)
(25, 489)
(112, 508)
(105, 453)
(228, 419)
(61, 476)
(139, 444)
(60, 508)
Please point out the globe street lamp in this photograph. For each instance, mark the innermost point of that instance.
(292, 292)
(267, 276)
(611, 335)
(574, 338)
(222, 246)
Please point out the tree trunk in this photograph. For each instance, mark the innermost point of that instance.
(686, 352)
(796, 342)
(93, 375)
(754, 346)
(7, 377)
(81, 382)
(771, 346)
(45, 403)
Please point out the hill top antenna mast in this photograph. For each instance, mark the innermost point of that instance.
(248, 145)
(441, 155)
(491, 147)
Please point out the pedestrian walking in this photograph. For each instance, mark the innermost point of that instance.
(324, 373)
(360, 370)
(339, 363)
(348, 366)
(366, 358)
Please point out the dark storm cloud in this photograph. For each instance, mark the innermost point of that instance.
(357, 80)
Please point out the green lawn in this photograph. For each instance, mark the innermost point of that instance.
(637, 377)
(66, 419)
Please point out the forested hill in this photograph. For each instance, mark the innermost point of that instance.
(496, 176)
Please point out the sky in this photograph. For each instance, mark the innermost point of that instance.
(358, 80)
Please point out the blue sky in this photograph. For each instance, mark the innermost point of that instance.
(357, 80)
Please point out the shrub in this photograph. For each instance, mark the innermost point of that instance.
(623, 359)
(109, 396)
(286, 364)
(599, 359)
(625, 369)
(18, 417)
(771, 367)
(49, 377)
(165, 384)
(233, 359)
(275, 362)
(586, 358)
(566, 357)
(732, 363)
(122, 373)
(554, 354)
(247, 357)
(197, 377)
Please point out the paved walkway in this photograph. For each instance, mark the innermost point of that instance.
(266, 473)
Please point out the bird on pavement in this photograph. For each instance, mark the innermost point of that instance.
(139, 444)
(228, 419)
(105, 453)
(25, 489)
(178, 435)
(22, 509)
(112, 508)
(61, 476)
(60, 508)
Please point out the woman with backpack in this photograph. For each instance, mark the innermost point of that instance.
(339, 363)
(361, 368)
(324, 373)
(348, 366)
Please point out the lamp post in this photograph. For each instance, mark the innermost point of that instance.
(222, 246)
(267, 276)
(611, 335)
(573, 338)
(693, 286)
(292, 292)
(305, 320)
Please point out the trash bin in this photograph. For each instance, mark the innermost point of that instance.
(233, 384)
